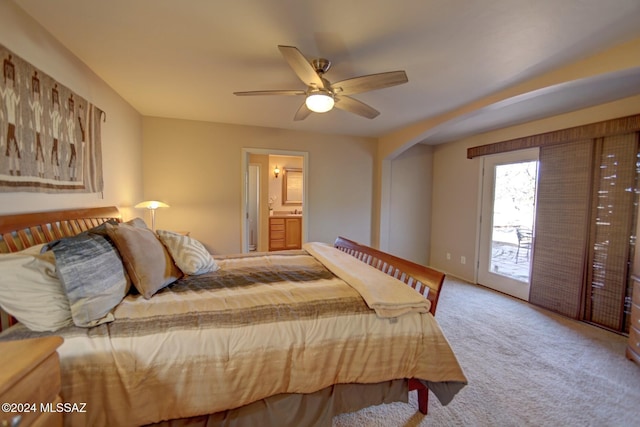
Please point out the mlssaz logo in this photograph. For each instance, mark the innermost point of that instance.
(65, 407)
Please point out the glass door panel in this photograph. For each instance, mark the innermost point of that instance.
(508, 215)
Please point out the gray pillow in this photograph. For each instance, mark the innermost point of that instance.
(92, 275)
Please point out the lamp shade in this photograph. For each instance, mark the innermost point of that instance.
(319, 102)
(151, 204)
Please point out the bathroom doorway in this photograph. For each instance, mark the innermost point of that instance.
(265, 192)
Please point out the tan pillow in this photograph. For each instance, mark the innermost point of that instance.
(137, 222)
(145, 258)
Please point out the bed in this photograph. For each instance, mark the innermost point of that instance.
(282, 338)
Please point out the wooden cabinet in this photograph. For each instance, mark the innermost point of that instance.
(293, 233)
(633, 349)
(285, 233)
(30, 382)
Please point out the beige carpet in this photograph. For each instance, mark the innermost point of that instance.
(526, 367)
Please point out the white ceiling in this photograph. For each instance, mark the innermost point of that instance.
(185, 58)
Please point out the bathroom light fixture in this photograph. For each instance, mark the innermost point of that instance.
(319, 101)
(276, 171)
(152, 205)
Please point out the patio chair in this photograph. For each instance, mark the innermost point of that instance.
(524, 241)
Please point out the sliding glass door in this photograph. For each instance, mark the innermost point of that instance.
(508, 216)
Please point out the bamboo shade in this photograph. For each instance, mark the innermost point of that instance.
(619, 126)
(613, 213)
(562, 227)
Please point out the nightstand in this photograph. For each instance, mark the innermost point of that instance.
(30, 379)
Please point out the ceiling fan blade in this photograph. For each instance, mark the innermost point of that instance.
(271, 92)
(302, 113)
(370, 82)
(352, 105)
(301, 66)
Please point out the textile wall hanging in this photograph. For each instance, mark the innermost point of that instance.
(49, 136)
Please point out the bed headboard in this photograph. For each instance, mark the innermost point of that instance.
(20, 231)
(423, 279)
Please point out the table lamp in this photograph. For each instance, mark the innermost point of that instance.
(152, 205)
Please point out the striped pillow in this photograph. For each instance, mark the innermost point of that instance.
(189, 254)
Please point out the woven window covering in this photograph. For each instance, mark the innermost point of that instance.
(619, 126)
(562, 227)
(585, 229)
(613, 213)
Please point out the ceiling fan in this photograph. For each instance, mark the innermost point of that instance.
(321, 95)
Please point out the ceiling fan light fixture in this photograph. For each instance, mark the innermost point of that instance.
(319, 102)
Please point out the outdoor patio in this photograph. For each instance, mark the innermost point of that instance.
(503, 260)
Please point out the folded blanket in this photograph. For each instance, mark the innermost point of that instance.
(388, 296)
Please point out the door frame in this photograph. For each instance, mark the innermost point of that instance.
(258, 225)
(246, 153)
(498, 282)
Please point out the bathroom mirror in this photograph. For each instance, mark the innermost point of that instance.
(292, 186)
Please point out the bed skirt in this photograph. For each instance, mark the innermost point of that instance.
(295, 410)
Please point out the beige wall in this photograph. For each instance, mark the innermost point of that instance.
(456, 180)
(410, 204)
(196, 168)
(121, 134)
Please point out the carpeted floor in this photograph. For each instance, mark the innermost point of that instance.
(525, 366)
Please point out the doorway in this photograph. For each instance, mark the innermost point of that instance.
(266, 183)
(509, 185)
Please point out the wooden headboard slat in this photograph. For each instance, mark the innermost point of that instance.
(66, 228)
(9, 242)
(74, 227)
(24, 238)
(36, 235)
(56, 231)
(47, 233)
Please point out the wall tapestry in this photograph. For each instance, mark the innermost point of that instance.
(49, 136)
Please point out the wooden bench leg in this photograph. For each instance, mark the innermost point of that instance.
(423, 400)
(423, 395)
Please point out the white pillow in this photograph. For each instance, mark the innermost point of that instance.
(189, 255)
(31, 292)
